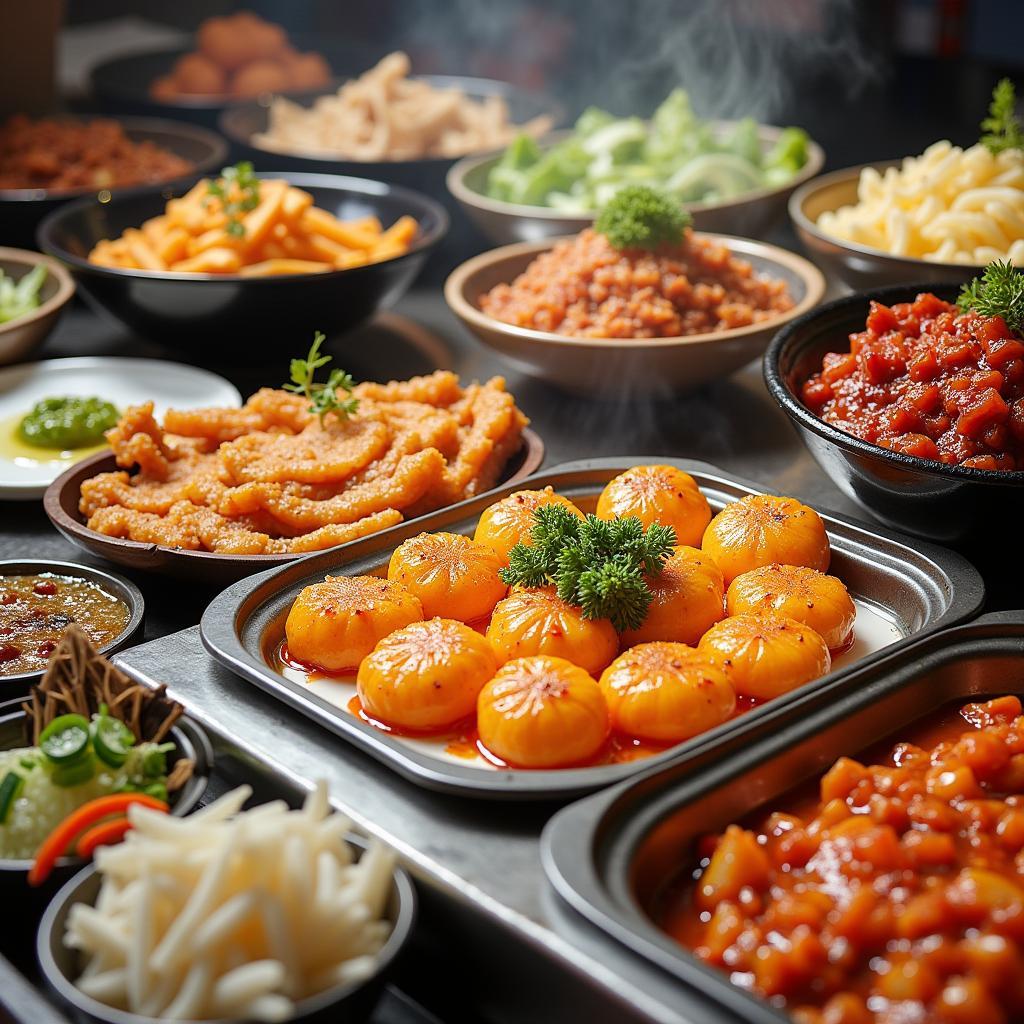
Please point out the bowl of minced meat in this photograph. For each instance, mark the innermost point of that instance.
(595, 319)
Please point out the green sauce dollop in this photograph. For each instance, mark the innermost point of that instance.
(67, 422)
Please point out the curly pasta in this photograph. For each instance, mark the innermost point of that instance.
(949, 205)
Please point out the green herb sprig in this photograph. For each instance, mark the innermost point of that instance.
(998, 292)
(242, 176)
(323, 397)
(600, 565)
(1002, 128)
(640, 217)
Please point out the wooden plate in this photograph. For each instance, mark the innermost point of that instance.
(61, 504)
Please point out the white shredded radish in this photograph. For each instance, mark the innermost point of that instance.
(232, 913)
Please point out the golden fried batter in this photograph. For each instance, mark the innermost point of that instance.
(271, 478)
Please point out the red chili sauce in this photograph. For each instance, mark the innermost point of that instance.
(927, 380)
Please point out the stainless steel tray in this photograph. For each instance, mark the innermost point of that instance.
(604, 855)
(921, 588)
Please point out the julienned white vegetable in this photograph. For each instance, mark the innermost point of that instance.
(230, 913)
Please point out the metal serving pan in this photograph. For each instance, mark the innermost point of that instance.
(610, 855)
(917, 590)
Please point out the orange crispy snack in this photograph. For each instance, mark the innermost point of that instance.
(271, 478)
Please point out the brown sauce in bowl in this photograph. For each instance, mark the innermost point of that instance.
(36, 609)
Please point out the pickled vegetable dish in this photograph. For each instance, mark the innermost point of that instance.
(925, 379)
(552, 638)
(896, 897)
(36, 609)
(68, 422)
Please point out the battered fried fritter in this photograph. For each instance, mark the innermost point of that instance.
(271, 478)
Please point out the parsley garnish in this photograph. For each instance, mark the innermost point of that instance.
(238, 189)
(323, 398)
(1002, 128)
(998, 292)
(597, 564)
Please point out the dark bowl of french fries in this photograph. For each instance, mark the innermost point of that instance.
(243, 260)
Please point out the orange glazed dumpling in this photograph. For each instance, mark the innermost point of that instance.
(426, 676)
(761, 529)
(508, 522)
(796, 592)
(538, 621)
(542, 713)
(666, 692)
(765, 657)
(688, 600)
(335, 624)
(658, 494)
(453, 576)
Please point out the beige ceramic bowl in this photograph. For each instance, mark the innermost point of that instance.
(616, 366)
(19, 337)
(750, 214)
(859, 266)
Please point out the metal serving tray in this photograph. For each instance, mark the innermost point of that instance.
(609, 856)
(919, 589)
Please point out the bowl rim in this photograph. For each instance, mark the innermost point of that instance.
(555, 111)
(405, 917)
(456, 180)
(60, 298)
(189, 796)
(122, 588)
(361, 187)
(129, 123)
(532, 446)
(469, 312)
(803, 417)
(804, 225)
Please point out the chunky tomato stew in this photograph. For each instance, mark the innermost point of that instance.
(924, 379)
(896, 898)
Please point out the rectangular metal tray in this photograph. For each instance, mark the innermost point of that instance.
(607, 855)
(920, 588)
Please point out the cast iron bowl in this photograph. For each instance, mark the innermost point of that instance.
(18, 337)
(859, 266)
(942, 503)
(21, 209)
(749, 214)
(624, 366)
(190, 740)
(343, 1004)
(15, 685)
(232, 312)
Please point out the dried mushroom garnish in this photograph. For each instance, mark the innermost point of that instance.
(78, 679)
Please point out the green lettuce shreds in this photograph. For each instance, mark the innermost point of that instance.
(638, 217)
(675, 151)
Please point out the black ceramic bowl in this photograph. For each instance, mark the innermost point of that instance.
(21, 209)
(18, 685)
(429, 174)
(943, 503)
(190, 741)
(344, 1004)
(189, 311)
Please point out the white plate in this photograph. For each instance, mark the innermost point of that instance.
(121, 381)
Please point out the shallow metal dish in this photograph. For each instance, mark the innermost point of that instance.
(920, 589)
(859, 266)
(61, 504)
(751, 213)
(625, 366)
(342, 1004)
(609, 856)
(126, 591)
(946, 504)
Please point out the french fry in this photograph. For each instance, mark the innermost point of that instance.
(296, 202)
(258, 223)
(213, 261)
(141, 251)
(320, 222)
(272, 268)
(352, 258)
(402, 232)
(172, 246)
(325, 249)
